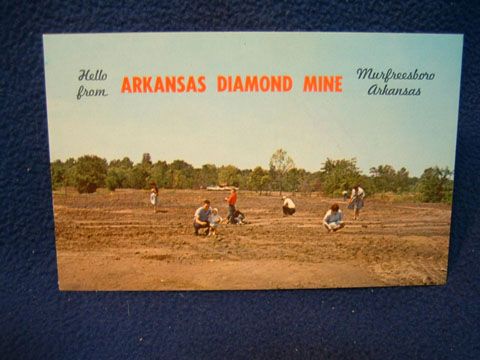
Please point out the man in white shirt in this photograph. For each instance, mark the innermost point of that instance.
(288, 206)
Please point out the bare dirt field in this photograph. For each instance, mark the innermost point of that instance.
(114, 241)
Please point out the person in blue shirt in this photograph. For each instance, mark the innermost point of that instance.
(201, 217)
(333, 219)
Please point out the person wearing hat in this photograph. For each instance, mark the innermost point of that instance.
(288, 206)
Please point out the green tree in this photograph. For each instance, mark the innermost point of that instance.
(339, 175)
(266, 183)
(313, 182)
(255, 179)
(280, 164)
(69, 167)
(403, 180)
(138, 176)
(125, 163)
(89, 173)
(294, 178)
(207, 176)
(117, 177)
(436, 185)
(180, 175)
(413, 183)
(119, 173)
(159, 174)
(229, 175)
(62, 173)
(146, 159)
(243, 178)
(384, 178)
(57, 172)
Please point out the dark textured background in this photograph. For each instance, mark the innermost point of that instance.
(38, 321)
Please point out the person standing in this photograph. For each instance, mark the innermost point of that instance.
(231, 200)
(154, 196)
(288, 206)
(201, 217)
(333, 219)
(356, 201)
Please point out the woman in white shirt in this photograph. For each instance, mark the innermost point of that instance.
(356, 201)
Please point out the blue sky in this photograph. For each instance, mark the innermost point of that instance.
(244, 129)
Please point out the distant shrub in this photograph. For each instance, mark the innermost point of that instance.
(89, 173)
(435, 185)
(116, 178)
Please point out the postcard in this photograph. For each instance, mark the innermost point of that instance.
(252, 160)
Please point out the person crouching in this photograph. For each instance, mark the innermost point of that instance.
(200, 219)
(238, 217)
(214, 221)
(288, 206)
(333, 219)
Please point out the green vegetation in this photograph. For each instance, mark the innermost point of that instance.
(85, 174)
(281, 166)
(339, 175)
(90, 172)
(436, 185)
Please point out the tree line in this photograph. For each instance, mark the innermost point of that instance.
(89, 172)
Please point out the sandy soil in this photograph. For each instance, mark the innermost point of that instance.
(114, 241)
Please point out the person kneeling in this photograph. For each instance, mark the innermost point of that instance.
(333, 219)
(238, 218)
